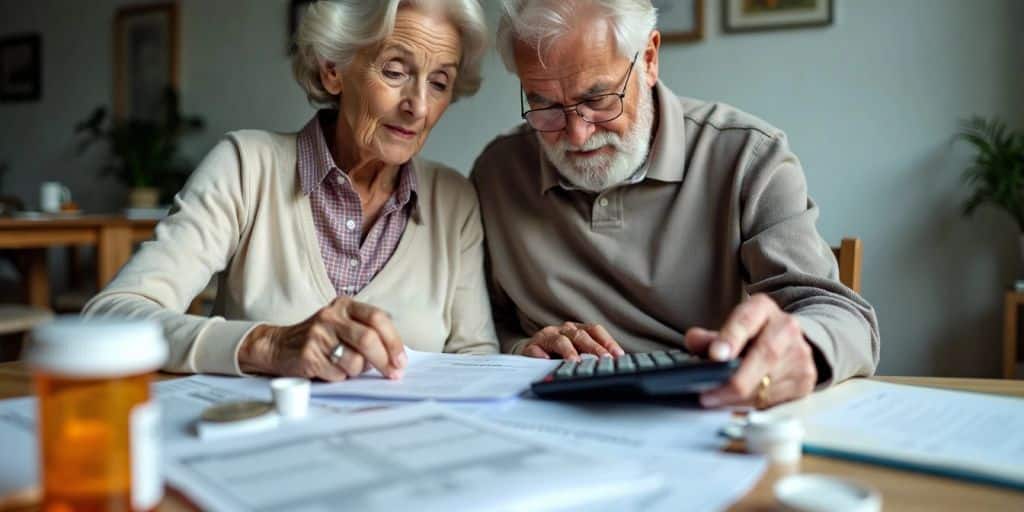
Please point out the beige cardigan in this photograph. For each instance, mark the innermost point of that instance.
(243, 214)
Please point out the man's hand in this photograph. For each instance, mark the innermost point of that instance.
(775, 347)
(366, 333)
(570, 340)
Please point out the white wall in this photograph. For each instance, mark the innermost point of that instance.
(870, 105)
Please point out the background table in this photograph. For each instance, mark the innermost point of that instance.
(113, 236)
(901, 490)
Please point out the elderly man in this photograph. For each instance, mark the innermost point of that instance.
(621, 216)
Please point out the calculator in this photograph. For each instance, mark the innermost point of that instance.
(659, 374)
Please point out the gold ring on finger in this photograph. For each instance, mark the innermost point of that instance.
(762, 392)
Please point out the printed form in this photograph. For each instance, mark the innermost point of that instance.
(964, 434)
(675, 441)
(416, 457)
(431, 376)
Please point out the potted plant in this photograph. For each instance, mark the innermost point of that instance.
(143, 152)
(996, 175)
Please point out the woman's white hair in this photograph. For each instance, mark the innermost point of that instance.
(539, 23)
(334, 31)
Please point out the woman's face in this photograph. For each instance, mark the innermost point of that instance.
(393, 92)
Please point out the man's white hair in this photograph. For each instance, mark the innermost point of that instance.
(539, 23)
(334, 31)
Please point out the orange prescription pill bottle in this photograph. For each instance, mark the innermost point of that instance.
(98, 425)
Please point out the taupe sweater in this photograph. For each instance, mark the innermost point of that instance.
(721, 213)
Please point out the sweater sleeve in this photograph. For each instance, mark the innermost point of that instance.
(193, 243)
(472, 329)
(787, 259)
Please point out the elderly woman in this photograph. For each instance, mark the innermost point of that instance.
(334, 247)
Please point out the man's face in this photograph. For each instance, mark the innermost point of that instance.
(582, 64)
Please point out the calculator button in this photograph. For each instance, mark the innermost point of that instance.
(586, 368)
(605, 366)
(679, 356)
(643, 362)
(624, 364)
(565, 370)
(662, 359)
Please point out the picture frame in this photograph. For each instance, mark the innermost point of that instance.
(21, 68)
(759, 15)
(145, 59)
(680, 21)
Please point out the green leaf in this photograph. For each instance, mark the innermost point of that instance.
(996, 174)
(141, 151)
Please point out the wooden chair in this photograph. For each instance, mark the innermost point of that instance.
(849, 254)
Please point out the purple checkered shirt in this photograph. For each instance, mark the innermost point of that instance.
(338, 214)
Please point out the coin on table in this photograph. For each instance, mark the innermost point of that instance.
(236, 411)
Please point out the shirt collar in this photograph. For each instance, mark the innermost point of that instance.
(666, 160)
(315, 162)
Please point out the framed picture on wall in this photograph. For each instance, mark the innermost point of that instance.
(680, 20)
(754, 15)
(20, 68)
(145, 59)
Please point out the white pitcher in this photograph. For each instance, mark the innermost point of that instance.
(51, 195)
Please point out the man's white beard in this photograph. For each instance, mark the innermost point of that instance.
(603, 171)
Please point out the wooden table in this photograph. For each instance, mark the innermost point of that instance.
(113, 236)
(901, 490)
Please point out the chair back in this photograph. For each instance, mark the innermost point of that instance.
(849, 254)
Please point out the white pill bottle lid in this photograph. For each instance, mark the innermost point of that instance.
(75, 346)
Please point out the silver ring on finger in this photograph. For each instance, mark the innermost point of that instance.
(337, 353)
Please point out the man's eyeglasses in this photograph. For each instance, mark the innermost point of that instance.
(597, 109)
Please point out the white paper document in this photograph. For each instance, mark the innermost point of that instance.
(447, 377)
(181, 401)
(416, 457)
(955, 433)
(682, 444)
(19, 470)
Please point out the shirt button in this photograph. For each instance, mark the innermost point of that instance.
(350, 224)
(339, 180)
(603, 201)
(353, 262)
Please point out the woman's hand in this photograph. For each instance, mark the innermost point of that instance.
(570, 340)
(366, 334)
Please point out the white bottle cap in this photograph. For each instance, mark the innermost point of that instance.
(291, 396)
(778, 437)
(821, 493)
(96, 347)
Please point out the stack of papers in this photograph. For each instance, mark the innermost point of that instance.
(484, 448)
(421, 457)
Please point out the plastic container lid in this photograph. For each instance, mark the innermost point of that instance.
(291, 396)
(821, 493)
(778, 437)
(774, 428)
(96, 347)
